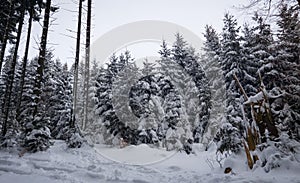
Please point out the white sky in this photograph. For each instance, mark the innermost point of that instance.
(108, 14)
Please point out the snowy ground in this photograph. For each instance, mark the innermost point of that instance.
(87, 164)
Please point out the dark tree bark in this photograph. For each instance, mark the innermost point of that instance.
(6, 32)
(11, 73)
(41, 60)
(87, 62)
(72, 124)
(24, 65)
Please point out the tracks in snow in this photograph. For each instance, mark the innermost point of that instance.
(61, 164)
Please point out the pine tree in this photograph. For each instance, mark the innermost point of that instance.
(4, 76)
(194, 69)
(92, 93)
(34, 8)
(103, 94)
(249, 63)
(172, 114)
(176, 75)
(186, 58)
(8, 22)
(285, 72)
(50, 82)
(121, 86)
(230, 133)
(146, 104)
(37, 133)
(26, 107)
(171, 85)
(9, 138)
(212, 66)
(259, 49)
(263, 47)
(148, 68)
(63, 97)
(105, 108)
(180, 95)
(11, 73)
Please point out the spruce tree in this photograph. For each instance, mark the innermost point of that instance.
(212, 66)
(121, 86)
(105, 108)
(285, 66)
(8, 22)
(8, 116)
(92, 98)
(249, 63)
(37, 132)
(191, 72)
(229, 135)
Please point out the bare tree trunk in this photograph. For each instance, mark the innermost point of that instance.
(72, 124)
(11, 73)
(5, 37)
(41, 61)
(24, 64)
(87, 63)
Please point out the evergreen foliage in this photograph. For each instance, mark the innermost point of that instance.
(231, 65)
(247, 99)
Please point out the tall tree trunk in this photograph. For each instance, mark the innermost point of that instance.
(6, 32)
(87, 62)
(11, 73)
(22, 82)
(72, 124)
(41, 60)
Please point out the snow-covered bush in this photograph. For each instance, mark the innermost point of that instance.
(227, 139)
(38, 135)
(280, 153)
(10, 139)
(75, 140)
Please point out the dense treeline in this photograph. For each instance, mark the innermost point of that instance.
(262, 77)
(247, 100)
(165, 103)
(32, 93)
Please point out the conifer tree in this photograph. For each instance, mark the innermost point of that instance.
(105, 108)
(37, 133)
(212, 66)
(63, 105)
(231, 131)
(121, 86)
(249, 63)
(8, 22)
(285, 72)
(11, 74)
(191, 72)
(34, 10)
(92, 95)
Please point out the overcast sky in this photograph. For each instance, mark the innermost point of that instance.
(109, 14)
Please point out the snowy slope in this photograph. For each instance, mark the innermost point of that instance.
(60, 164)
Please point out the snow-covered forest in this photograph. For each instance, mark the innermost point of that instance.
(232, 107)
